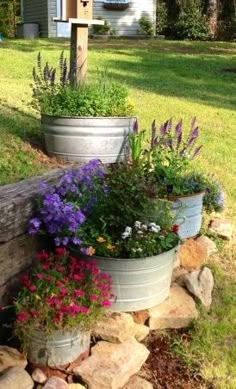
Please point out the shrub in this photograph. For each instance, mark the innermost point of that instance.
(146, 25)
(191, 23)
(104, 29)
(161, 16)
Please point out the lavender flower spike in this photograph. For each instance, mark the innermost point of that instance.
(196, 152)
(178, 132)
(154, 130)
(135, 126)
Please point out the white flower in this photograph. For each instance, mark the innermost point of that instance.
(127, 233)
(140, 232)
(144, 227)
(153, 227)
(139, 250)
(137, 225)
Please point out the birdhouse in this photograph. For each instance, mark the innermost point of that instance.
(76, 9)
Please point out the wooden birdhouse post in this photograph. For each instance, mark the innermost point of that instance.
(80, 14)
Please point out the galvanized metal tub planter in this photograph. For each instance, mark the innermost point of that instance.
(188, 210)
(81, 139)
(58, 349)
(139, 283)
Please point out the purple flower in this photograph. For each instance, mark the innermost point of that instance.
(154, 130)
(178, 133)
(196, 152)
(76, 241)
(135, 126)
(34, 226)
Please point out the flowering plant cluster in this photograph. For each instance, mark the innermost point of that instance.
(91, 208)
(61, 293)
(63, 209)
(168, 163)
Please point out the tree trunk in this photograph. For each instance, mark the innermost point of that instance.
(213, 13)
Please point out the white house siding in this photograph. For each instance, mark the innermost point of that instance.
(126, 22)
(52, 13)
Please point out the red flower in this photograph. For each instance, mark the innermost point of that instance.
(79, 293)
(32, 288)
(42, 255)
(93, 297)
(59, 283)
(25, 280)
(175, 228)
(22, 316)
(49, 278)
(39, 276)
(77, 277)
(60, 251)
(34, 313)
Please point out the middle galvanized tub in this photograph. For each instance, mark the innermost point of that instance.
(59, 349)
(139, 283)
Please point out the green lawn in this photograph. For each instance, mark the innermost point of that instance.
(166, 79)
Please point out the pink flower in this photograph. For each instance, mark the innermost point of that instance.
(49, 278)
(22, 316)
(42, 255)
(61, 269)
(84, 310)
(106, 303)
(32, 288)
(59, 283)
(75, 309)
(63, 291)
(34, 313)
(93, 297)
(79, 293)
(25, 280)
(77, 277)
(45, 266)
(39, 276)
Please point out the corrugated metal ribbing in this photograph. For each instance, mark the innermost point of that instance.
(52, 13)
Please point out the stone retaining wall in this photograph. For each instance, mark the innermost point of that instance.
(17, 248)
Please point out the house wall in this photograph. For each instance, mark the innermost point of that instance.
(36, 11)
(126, 22)
(52, 13)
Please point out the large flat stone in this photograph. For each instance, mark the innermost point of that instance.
(140, 332)
(209, 244)
(137, 382)
(111, 365)
(222, 228)
(16, 378)
(115, 327)
(10, 357)
(176, 312)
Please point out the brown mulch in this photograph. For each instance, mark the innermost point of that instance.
(165, 370)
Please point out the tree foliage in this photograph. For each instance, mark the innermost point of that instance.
(9, 16)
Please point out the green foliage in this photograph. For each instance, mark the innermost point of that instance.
(104, 29)
(58, 97)
(146, 26)
(9, 13)
(161, 16)
(191, 23)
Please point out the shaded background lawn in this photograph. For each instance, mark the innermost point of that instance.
(165, 79)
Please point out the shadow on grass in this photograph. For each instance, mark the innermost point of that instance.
(197, 78)
(31, 45)
(23, 125)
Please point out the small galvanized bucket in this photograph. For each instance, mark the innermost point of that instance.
(61, 348)
(188, 211)
(139, 283)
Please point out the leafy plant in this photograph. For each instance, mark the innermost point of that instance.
(146, 25)
(61, 293)
(161, 16)
(104, 29)
(191, 23)
(58, 97)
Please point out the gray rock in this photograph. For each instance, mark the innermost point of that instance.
(209, 244)
(39, 376)
(200, 283)
(16, 378)
(116, 327)
(55, 383)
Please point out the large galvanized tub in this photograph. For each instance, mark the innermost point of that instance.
(83, 139)
(139, 283)
(188, 211)
(61, 348)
